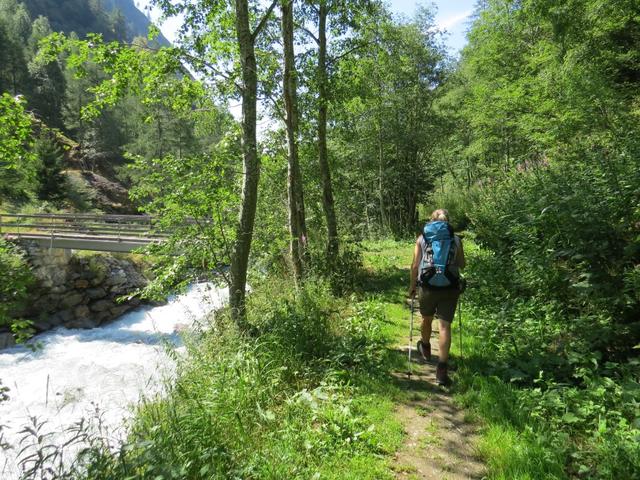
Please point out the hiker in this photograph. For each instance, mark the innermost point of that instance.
(437, 260)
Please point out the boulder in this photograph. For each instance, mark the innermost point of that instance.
(82, 311)
(46, 303)
(103, 317)
(72, 299)
(96, 293)
(117, 277)
(83, 323)
(6, 340)
(120, 310)
(101, 305)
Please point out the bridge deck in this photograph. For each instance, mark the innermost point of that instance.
(98, 244)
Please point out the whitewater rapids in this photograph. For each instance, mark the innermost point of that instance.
(77, 373)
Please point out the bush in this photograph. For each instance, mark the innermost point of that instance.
(567, 378)
(15, 280)
(459, 201)
(344, 272)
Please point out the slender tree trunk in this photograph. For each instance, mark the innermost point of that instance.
(297, 224)
(327, 194)
(250, 165)
(383, 222)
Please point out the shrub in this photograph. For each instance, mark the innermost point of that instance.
(344, 272)
(15, 280)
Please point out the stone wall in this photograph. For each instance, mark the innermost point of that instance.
(79, 291)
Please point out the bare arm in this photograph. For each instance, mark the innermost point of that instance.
(417, 256)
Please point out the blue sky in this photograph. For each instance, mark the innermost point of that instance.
(452, 17)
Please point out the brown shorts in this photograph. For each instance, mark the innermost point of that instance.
(442, 303)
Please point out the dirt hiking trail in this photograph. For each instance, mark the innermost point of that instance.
(440, 437)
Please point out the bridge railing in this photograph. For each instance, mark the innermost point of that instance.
(79, 225)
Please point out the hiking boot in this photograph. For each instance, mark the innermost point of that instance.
(442, 376)
(425, 350)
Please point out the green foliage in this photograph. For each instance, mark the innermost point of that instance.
(51, 181)
(542, 137)
(557, 382)
(14, 287)
(386, 128)
(458, 200)
(343, 272)
(17, 162)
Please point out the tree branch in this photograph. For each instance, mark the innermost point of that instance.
(309, 32)
(332, 60)
(264, 19)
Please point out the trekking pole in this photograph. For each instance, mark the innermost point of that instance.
(410, 341)
(460, 328)
(463, 287)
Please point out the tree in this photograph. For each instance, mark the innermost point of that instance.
(16, 26)
(297, 223)
(48, 83)
(386, 128)
(17, 162)
(343, 18)
(51, 180)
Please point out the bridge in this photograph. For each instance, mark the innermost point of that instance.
(81, 231)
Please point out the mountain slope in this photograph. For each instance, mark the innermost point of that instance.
(85, 16)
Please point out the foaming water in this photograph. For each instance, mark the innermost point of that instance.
(106, 369)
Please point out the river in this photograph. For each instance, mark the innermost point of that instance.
(76, 374)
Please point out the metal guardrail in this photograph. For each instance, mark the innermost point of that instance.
(120, 233)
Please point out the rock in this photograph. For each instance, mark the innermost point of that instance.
(81, 323)
(45, 322)
(101, 305)
(95, 293)
(103, 317)
(6, 340)
(120, 310)
(117, 277)
(72, 300)
(82, 311)
(46, 303)
(58, 318)
(82, 283)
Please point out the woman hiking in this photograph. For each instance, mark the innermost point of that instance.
(438, 258)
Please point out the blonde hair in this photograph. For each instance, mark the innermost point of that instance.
(440, 215)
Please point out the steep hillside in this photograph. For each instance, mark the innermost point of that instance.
(113, 18)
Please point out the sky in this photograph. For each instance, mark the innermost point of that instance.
(452, 17)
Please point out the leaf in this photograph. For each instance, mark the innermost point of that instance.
(570, 418)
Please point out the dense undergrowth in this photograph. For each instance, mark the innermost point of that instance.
(17, 277)
(554, 407)
(304, 395)
(553, 316)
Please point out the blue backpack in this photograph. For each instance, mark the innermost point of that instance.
(438, 251)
